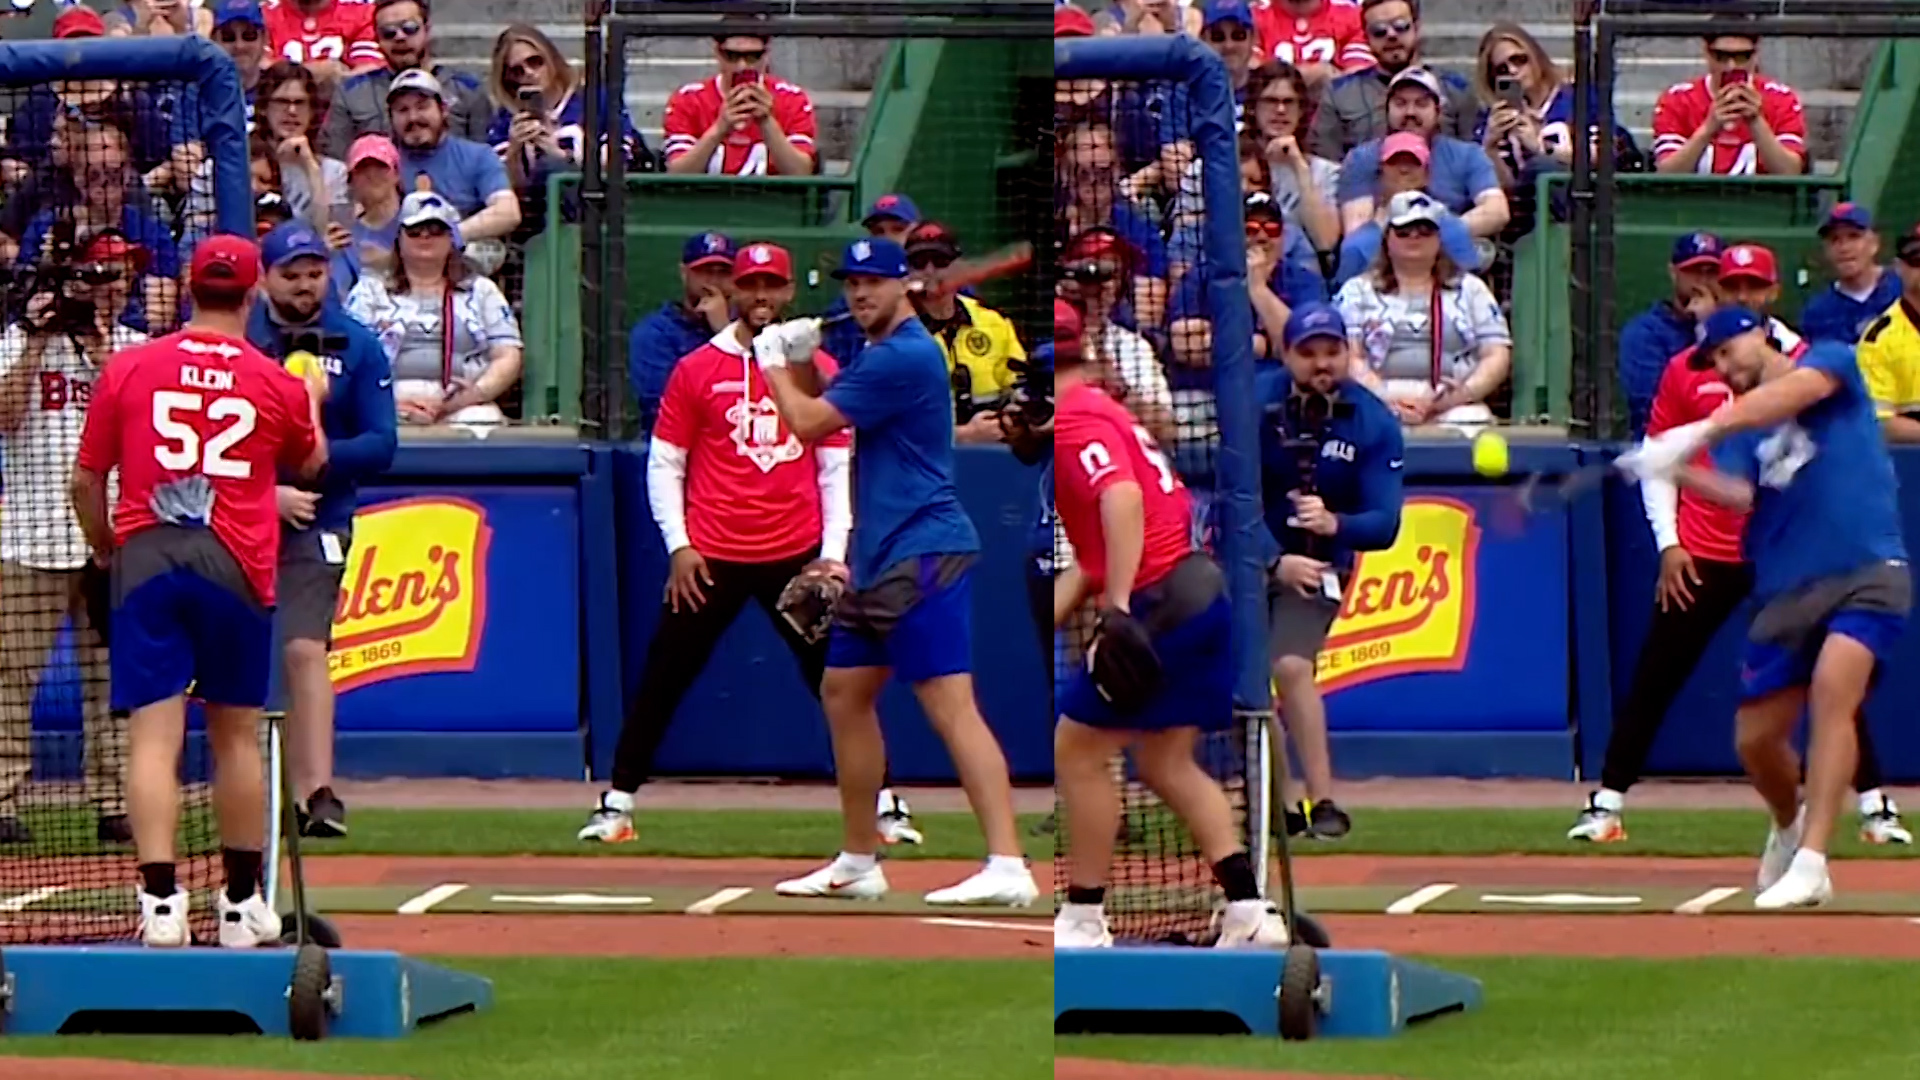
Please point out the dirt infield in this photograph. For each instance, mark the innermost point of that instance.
(19, 1068)
(1087, 1069)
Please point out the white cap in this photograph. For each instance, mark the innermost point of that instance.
(421, 207)
(419, 81)
(1410, 207)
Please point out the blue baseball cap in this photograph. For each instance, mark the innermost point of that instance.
(1040, 360)
(892, 207)
(1219, 11)
(708, 249)
(1726, 324)
(875, 257)
(1698, 248)
(1847, 213)
(1309, 321)
(231, 11)
(292, 240)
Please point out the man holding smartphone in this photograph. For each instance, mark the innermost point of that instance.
(743, 121)
(1732, 121)
(1331, 458)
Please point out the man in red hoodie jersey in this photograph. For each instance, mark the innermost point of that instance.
(200, 425)
(1703, 581)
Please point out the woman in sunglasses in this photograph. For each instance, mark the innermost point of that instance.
(448, 332)
(1429, 338)
(1530, 102)
(539, 112)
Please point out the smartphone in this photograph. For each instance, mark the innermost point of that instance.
(1736, 77)
(1511, 92)
(341, 214)
(532, 101)
(745, 77)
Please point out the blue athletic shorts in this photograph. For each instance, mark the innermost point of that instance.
(916, 618)
(1869, 605)
(1195, 656)
(184, 614)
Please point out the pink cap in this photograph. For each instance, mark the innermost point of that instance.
(1405, 142)
(373, 148)
(1749, 261)
(763, 260)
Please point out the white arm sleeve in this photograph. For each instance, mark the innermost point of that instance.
(1662, 500)
(836, 501)
(667, 492)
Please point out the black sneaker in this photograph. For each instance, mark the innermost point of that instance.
(113, 829)
(326, 816)
(13, 831)
(1297, 820)
(1328, 821)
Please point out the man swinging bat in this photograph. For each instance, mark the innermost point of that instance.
(748, 513)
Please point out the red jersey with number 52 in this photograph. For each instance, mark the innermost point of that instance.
(1331, 35)
(1097, 444)
(199, 425)
(343, 31)
(742, 152)
(1684, 107)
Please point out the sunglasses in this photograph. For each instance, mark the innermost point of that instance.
(1264, 230)
(929, 261)
(1236, 35)
(1389, 29)
(1417, 231)
(100, 175)
(224, 36)
(743, 56)
(1512, 65)
(1732, 56)
(531, 65)
(406, 28)
(426, 229)
(1095, 174)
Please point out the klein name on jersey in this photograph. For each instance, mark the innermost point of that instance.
(200, 378)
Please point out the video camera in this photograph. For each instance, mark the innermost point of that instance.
(316, 341)
(63, 274)
(1302, 421)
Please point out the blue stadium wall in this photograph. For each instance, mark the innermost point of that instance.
(500, 598)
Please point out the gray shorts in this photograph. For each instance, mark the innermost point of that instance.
(1297, 625)
(313, 562)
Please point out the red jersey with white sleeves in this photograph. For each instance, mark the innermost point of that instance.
(742, 152)
(199, 425)
(342, 30)
(753, 488)
(1097, 444)
(1683, 108)
(1333, 34)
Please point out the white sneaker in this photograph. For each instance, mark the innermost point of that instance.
(1081, 926)
(1252, 924)
(1778, 854)
(1805, 884)
(1597, 823)
(893, 818)
(1880, 822)
(611, 821)
(248, 924)
(838, 881)
(1000, 884)
(163, 923)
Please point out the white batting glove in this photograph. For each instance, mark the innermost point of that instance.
(769, 349)
(802, 337)
(1658, 457)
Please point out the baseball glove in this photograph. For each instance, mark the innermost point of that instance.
(1125, 669)
(808, 601)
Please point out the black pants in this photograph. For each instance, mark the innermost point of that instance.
(684, 641)
(1676, 640)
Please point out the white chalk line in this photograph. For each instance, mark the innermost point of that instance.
(431, 899)
(1699, 904)
(718, 900)
(1419, 898)
(985, 924)
(25, 900)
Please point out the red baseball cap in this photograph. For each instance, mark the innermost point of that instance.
(763, 260)
(226, 260)
(111, 246)
(1071, 21)
(1749, 261)
(1067, 327)
(79, 21)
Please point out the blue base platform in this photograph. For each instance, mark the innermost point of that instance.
(380, 995)
(1368, 995)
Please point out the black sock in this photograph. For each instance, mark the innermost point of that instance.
(157, 879)
(243, 873)
(1235, 875)
(1081, 894)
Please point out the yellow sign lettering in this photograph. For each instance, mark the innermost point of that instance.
(1410, 608)
(414, 598)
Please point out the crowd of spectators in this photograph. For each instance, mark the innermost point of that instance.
(1395, 187)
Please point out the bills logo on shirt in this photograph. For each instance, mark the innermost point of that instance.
(757, 435)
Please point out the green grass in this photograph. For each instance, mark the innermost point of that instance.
(1718, 1019)
(567, 1019)
(808, 834)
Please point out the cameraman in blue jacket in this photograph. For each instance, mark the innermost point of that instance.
(317, 517)
(1331, 462)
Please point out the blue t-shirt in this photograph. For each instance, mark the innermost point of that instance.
(905, 504)
(1144, 235)
(1459, 173)
(1826, 499)
(466, 173)
(1834, 316)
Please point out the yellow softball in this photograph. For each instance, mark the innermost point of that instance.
(299, 360)
(1490, 456)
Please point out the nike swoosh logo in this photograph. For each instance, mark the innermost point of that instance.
(1395, 463)
(836, 886)
(386, 382)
